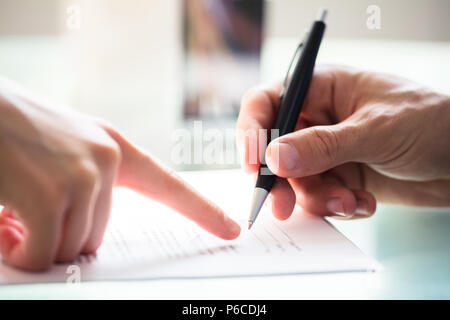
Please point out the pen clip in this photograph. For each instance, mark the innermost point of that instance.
(294, 57)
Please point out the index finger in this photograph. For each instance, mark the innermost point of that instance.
(144, 174)
(259, 107)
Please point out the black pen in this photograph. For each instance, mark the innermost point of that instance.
(292, 97)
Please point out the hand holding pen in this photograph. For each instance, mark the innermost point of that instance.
(292, 96)
(361, 138)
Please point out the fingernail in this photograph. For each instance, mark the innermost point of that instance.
(362, 208)
(335, 205)
(287, 157)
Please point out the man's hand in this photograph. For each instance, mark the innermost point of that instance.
(361, 136)
(57, 172)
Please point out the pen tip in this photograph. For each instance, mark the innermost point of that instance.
(259, 195)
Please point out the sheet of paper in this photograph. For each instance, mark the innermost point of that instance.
(146, 240)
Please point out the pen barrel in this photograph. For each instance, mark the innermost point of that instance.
(265, 179)
(292, 101)
(295, 94)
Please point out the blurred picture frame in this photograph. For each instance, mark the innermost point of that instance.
(222, 41)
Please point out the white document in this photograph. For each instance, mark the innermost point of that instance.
(146, 240)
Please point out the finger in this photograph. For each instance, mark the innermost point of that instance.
(315, 150)
(258, 111)
(79, 217)
(366, 204)
(435, 193)
(100, 219)
(29, 238)
(326, 195)
(35, 249)
(7, 212)
(8, 220)
(142, 173)
(10, 238)
(283, 199)
(108, 166)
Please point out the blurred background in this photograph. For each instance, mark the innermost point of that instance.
(151, 66)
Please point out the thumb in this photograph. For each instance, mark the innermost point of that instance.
(313, 150)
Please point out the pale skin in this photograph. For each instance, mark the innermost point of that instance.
(57, 172)
(362, 138)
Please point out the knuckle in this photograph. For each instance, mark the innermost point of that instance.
(376, 115)
(108, 155)
(327, 143)
(256, 100)
(86, 174)
(250, 95)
